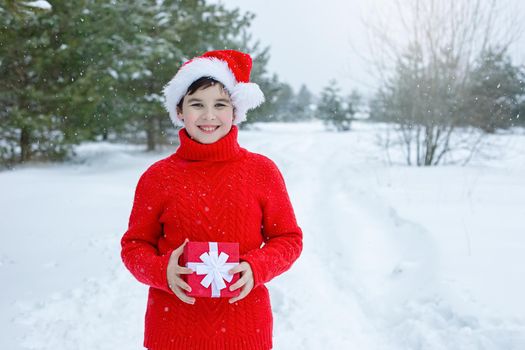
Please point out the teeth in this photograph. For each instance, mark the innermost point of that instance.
(208, 128)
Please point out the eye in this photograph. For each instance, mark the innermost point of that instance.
(197, 105)
(220, 105)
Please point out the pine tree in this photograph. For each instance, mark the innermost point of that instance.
(496, 88)
(88, 70)
(38, 72)
(162, 36)
(303, 104)
(284, 103)
(332, 110)
(269, 83)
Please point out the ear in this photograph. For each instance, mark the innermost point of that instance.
(179, 114)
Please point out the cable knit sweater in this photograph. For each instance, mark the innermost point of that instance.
(210, 192)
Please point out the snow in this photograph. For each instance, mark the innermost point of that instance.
(394, 257)
(41, 4)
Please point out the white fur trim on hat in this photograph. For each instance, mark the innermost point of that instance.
(245, 96)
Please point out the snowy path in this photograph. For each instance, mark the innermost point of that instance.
(317, 290)
(361, 269)
(375, 272)
(387, 269)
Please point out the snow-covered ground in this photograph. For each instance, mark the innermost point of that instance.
(394, 257)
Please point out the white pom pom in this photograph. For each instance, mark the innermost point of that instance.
(245, 96)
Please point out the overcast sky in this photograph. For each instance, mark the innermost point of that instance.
(312, 41)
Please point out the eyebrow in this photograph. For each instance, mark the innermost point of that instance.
(194, 99)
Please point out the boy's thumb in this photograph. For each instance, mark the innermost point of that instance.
(179, 248)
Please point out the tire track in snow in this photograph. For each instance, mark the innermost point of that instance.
(316, 292)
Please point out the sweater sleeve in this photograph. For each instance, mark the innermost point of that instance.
(283, 238)
(139, 243)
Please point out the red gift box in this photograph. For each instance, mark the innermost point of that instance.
(211, 262)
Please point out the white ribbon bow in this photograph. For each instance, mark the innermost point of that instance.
(215, 267)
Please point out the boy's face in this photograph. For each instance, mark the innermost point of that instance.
(207, 114)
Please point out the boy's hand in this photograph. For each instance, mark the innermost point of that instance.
(176, 283)
(246, 280)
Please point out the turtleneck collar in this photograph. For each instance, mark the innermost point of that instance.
(225, 148)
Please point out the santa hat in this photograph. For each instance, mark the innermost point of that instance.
(231, 68)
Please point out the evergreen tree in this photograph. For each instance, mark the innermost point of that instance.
(284, 103)
(162, 36)
(303, 104)
(85, 69)
(332, 109)
(45, 54)
(354, 102)
(269, 84)
(496, 88)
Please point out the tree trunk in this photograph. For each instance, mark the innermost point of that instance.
(25, 144)
(150, 133)
(162, 132)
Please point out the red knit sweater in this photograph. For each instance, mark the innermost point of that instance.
(210, 192)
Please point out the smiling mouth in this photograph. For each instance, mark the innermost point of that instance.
(208, 129)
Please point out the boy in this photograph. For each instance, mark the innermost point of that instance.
(213, 190)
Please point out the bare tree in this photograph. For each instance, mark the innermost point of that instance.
(424, 61)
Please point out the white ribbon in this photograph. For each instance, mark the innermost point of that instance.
(215, 267)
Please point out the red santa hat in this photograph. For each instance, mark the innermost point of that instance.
(231, 68)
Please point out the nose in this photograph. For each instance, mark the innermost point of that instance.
(209, 114)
